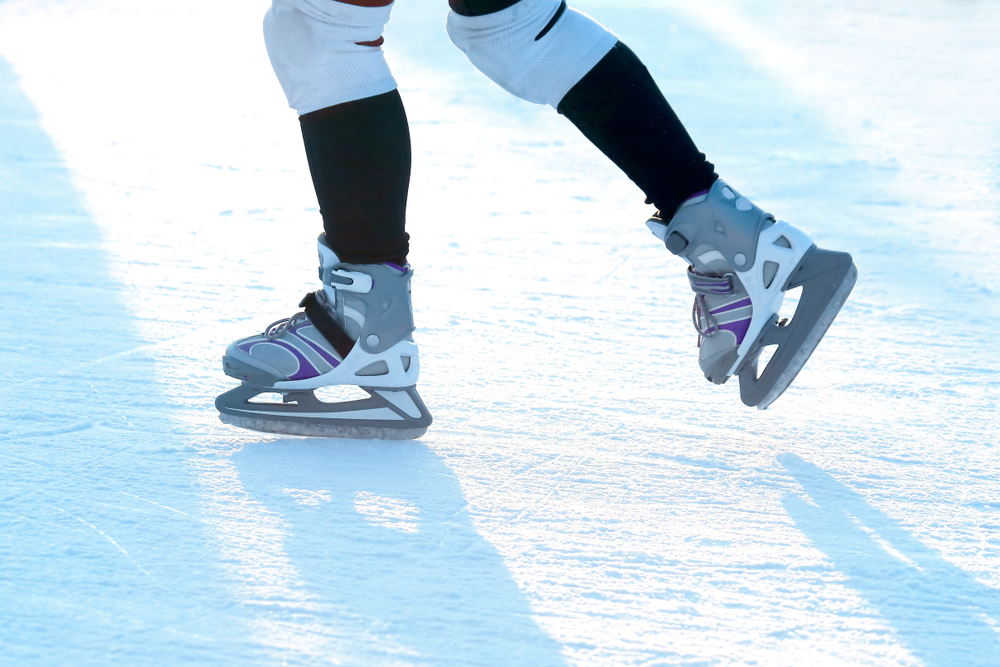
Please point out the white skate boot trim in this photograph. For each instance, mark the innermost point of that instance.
(402, 401)
(347, 281)
(327, 257)
(711, 256)
(780, 244)
(354, 315)
(376, 414)
(658, 228)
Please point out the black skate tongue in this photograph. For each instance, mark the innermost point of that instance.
(326, 325)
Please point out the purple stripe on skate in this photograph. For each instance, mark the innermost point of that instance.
(738, 328)
(742, 303)
(304, 363)
(326, 356)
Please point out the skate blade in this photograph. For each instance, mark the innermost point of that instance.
(812, 341)
(387, 413)
(751, 385)
(316, 430)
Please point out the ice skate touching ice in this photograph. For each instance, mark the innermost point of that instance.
(357, 330)
(742, 261)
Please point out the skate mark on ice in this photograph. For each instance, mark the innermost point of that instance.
(40, 464)
(73, 428)
(940, 612)
(104, 535)
(63, 473)
(104, 398)
(519, 474)
(541, 501)
(132, 495)
(74, 369)
(610, 273)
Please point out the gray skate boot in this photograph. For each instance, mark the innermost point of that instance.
(743, 261)
(355, 331)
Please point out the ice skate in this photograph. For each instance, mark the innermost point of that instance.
(355, 331)
(743, 261)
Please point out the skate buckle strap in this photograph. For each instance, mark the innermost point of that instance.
(710, 285)
(326, 325)
(349, 281)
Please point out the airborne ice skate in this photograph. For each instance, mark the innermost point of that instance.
(742, 261)
(355, 331)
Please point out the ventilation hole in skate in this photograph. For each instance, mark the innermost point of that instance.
(790, 303)
(770, 270)
(406, 363)
(340, 393)
(270, 397)
(377, 368)
(765, 358)
(783, 242)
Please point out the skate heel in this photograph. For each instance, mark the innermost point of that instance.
(826, 278)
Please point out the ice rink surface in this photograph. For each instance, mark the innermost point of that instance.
(584, 497)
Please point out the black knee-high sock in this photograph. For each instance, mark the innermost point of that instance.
(619, 107)
(359, 158)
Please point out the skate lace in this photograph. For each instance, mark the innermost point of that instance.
(275, 329)
(702, 284)
(701, 313)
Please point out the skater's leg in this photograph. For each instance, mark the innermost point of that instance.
(742, 260)
(619, 107)
(357, 329)
(359, 158)
(545, 52)
(329, 61)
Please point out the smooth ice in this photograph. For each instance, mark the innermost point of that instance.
(584, 496)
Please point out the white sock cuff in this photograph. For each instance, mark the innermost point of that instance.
(318, 51)
(503, 46)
